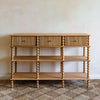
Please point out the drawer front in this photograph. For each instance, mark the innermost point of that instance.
(50, 41)
(76, 41)
(24, 41)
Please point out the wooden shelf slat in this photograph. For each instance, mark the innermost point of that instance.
(24, 46)
(75, 58)
(49, 76)
(24, 76)
(49, 58)
(24, 58)
(75, 76)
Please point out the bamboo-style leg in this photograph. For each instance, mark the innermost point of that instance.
(83, 66)
(87, 74)
(62, 63)
(15, 62)
(83, 61)
(11, 62)
(88, 83)
(31, 67)
(37, 83)
(37, 63)
(11, 74)
(37, 68)
(12, 84)
(88, 64)
(62, 83)
(15, 67)
(62, 73)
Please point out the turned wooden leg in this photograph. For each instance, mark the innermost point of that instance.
(15, 67)
(12, 83)
(88, 74)
(37, 83)
(11, 74)
(62, 72)
(62, 83)
(37, 74)
(88, 66)
(88, 83)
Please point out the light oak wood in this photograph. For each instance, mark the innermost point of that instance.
(37, 63)
(24, 58)
(84, 61)
(24, 76)
(62, 63)
(49, 76)
(88, 64)
(75, 58)
(51, 40)
(24, 41)
(11, 63)
(15, 62)
(48, 58)
(11, 74)
(50, 34)
(76, 41)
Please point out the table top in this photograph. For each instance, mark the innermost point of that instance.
(50, 34)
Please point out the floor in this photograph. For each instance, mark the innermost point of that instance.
(50, 90)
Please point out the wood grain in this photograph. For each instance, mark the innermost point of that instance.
(50, 34)
(24, 41)
(76, 41)
(48, 58)
(51, 40)
(49, 76)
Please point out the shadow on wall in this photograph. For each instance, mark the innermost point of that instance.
(4, 56)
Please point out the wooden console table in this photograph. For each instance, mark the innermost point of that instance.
(38, 41)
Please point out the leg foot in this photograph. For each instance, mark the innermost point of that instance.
(37, 83)
(62, 83)
(87, 83)
(12, 83)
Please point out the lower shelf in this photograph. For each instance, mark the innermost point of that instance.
(49, 76)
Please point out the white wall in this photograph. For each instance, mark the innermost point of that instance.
(50, 16)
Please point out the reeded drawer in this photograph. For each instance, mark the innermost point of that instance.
(76, 41)
(50, 41)
(24, 41)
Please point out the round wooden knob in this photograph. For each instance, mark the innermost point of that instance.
(49, 41)
(75, 41)
(23, 40)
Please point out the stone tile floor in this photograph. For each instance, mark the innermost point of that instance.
(50, 90)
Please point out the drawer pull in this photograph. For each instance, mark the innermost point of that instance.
(23, 41)
(49, 41)
(75, 41)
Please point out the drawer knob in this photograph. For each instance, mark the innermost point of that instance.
(75, 41)
(49, 41)
(23, 41)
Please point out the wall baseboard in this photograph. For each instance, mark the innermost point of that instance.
(7, 77)
(95, 76)
(4, 77)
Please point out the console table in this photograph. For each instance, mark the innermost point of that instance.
(54, 40)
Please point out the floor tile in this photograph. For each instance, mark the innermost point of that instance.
(43, 97)
(50, 90)
(53, 94)
(81, 97)
(23, 97)
(62, 97)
